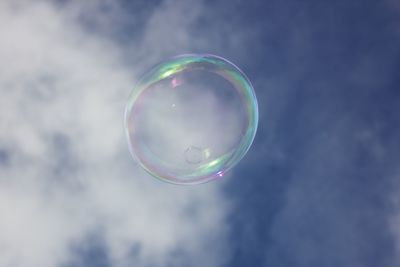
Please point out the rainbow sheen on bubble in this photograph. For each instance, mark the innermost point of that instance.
(190, 119)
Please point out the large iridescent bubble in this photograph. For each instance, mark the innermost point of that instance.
(191, 119)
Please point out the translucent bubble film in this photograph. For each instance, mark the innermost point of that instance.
(191, 119)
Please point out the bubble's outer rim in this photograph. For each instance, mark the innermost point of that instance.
(235, 75)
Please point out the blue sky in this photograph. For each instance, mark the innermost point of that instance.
(319, 187)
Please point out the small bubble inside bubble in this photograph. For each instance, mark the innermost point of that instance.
(194, 155)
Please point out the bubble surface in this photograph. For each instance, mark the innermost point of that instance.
(191, 118)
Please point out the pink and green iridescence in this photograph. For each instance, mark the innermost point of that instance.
(208, 170)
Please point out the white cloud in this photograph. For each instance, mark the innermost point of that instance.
(68, 172)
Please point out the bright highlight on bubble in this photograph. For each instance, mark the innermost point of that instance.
(191, 119)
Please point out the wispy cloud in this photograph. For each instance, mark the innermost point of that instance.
(65, 172)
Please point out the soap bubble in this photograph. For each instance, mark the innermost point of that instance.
(191, 118)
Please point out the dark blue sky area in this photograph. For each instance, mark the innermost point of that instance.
(314, 190)
(316, 187)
